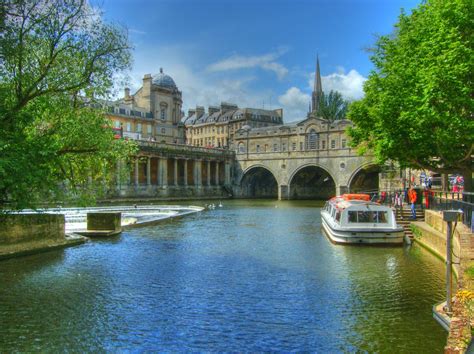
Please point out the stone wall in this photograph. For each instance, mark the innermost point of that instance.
(18, 228)
(24, 234)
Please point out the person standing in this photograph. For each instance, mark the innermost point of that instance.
(398, 205)
(412, 200)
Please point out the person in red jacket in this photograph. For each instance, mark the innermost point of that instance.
(412, 199)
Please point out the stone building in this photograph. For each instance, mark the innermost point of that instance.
(217, 126)
(152, 113)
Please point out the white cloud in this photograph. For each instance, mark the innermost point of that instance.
(350, 85)
(295, 104)
(266, 62)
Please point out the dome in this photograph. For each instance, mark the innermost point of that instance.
(164, 80)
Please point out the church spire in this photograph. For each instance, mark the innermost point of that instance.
(318, 88)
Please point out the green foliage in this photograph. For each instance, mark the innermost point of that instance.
(56, 57)
(418, 104)
(332, 106)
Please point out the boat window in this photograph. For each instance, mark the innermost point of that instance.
(352, 216)
(338, 216)
(333, 213)
(365, 216)
(383, 217)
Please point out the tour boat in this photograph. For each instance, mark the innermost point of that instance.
(354, 219)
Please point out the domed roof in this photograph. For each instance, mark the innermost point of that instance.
(164, 80)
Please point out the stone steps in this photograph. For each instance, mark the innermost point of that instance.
(407, 219)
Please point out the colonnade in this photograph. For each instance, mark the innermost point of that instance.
(164, 172)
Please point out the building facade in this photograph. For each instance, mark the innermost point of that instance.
(153, 113)
(217, 126)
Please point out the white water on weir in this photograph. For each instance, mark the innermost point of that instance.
(76, 218)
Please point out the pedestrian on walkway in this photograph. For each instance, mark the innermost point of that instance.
(398, 205)
(412, 200)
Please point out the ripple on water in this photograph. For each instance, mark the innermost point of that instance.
(238, 278)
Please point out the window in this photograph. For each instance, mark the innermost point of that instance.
(275, 147)
(266, 147)
(283, 147)
(241, 148)
(343, 143)
(293, 146)
(129, 127)
(338, 216)
(323, 144)
(258, 148)
(313, 139)
(148, 129)
(352, 215)
(122, 110)
(163, 114)
(333, 144)
(116, 123)
(138, 128)
(163, 131)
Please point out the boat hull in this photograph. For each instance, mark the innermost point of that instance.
(374, 237)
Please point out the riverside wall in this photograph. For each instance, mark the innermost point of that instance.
(22, 234)
(431, 234)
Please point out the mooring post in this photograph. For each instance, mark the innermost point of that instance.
(449, 216)
(449, 276)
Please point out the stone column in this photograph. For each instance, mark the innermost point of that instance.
(186, 172)
(136, 172)
(227, 173)
(208, 182)
(283, 192)
(198, 173)
(175, 172)
(148, 171)
(158, 172)
(217, 173)
(164, 172)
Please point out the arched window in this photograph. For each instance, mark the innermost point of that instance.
(312, 140)
(241, 148)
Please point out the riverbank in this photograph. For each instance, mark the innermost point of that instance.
(431, 234)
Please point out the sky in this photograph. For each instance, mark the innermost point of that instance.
(259, 53)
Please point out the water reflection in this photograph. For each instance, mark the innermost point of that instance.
(246, 277)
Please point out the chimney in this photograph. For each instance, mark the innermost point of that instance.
(213, 109)
(199, 111)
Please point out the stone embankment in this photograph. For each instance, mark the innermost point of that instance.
(431, 234)
(23, 234)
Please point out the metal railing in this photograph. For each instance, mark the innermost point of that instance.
(430, 199)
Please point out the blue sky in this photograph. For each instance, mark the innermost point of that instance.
(255, 53)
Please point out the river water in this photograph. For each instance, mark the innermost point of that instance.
(251, 276)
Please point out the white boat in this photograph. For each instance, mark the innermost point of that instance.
(354, 219)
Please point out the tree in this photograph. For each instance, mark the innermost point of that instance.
(332, 106)
(56, 57)
(418, 104)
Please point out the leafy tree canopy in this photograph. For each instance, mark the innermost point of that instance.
(418, 104)
(332, 106)
(56, 57)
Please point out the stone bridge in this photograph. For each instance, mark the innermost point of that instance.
(304, 174)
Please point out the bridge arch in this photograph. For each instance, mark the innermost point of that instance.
(311, 181)
(258, 181)
(365, 178)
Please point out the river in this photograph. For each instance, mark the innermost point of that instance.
(250, 276)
